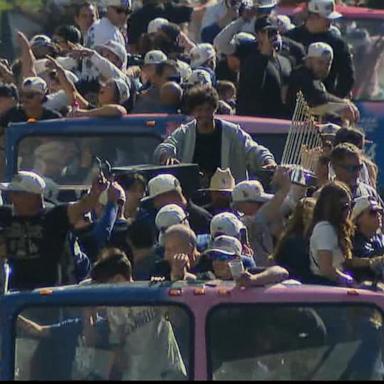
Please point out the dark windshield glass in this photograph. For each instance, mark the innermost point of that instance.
(68, 160)
(255, 342)
(103, 343)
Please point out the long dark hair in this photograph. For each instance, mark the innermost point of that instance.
(296, 224)
(329, 208)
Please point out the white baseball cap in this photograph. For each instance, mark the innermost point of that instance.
(170, 214)
(284, 23)
(328, 129)
(40, 40)
(185, 70)
(118, 3)
(363, 203)
(265, 3)
(201, 53)
(225, 244)
(24, 181)
(250, 191)
(226, 223)
(324, 8)
(117, 49)
(199, 77)
(162, 184)
(320, 50)
(35, 84)
(123, 89)
(155, 24)
(155, 57)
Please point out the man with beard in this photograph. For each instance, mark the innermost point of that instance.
(309, 80)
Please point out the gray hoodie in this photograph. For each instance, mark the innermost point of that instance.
(239, 151)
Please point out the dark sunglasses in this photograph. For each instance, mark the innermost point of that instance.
(352, 168)
(219, 256)
(127, 11)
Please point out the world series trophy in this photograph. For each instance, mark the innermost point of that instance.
(303, 142)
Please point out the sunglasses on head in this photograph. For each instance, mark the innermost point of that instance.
(219, 256)
(352, 168)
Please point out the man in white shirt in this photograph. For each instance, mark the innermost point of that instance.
(109, 27)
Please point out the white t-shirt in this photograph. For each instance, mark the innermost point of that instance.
(102, 31)
(150, 348)
(324, 238)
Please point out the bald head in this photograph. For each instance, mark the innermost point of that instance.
(171, 94)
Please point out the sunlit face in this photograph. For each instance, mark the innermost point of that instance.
(171, 197)
(348, 170)
(31, 99)
(320, 67)
(109, 55)
(204, 113)
(25, 202)
(134, 195)
(87, 16)
(248, 208)
(370, 220)
(221, 270)
(175, 244)
(107, 93)
(118, 16)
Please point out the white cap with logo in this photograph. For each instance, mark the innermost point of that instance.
(265, 3)
(363, 203)
(185, 70)
(169, 215)
(35, 84)
(199, 77)
(123, 89)
(155, 24)
(321, 51)
(25, 181)
(226, 223)
(117, 49)
(155, 57)
(118, 3)
(201, 53)
(250, 191)
(228, 245)
(324, 8)
(162, 184)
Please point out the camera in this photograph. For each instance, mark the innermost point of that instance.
(134, 60)
(275, 39)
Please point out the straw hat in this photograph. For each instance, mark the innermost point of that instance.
(221, 181)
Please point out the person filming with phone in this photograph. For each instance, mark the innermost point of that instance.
(264, 75)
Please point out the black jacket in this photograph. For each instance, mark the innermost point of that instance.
(314, 91)
(341, 77)
(260, 85)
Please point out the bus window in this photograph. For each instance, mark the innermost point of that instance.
(256, 342)
(103, 343)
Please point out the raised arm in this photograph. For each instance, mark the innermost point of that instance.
(27, 56)
(77, 210)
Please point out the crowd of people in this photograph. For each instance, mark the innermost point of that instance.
(244, 59)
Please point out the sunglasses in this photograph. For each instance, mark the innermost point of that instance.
(127, 11)
(219, 256)
(351, 168)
